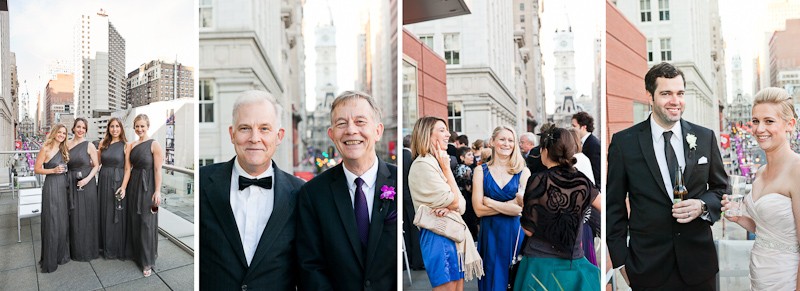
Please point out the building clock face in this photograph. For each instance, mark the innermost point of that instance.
(325, 38)
(563, 43)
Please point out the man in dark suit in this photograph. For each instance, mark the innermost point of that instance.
(247, 206)
(347, 225)
(671, 245)
(584, 123)
(526, 143)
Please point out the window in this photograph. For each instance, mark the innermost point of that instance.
(410, 95)
(666, 49)
(207, 92)
(427, 40)
(522, 18)
(206, 162)
(206, 9)
(663, 10)
(644, 7)
(452, 48)
(454, 116)
(521, 6)
(649, 50)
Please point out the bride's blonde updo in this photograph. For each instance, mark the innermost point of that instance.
(777, 96)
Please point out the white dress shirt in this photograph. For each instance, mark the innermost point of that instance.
(251, 207)
(584, 166)
(661, 157)
(369, 177)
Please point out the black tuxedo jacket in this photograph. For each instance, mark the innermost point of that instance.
(222, 261)
(657, 241)
(329, 251)
(591, 148)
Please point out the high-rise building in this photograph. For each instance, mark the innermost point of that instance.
(99, 68)
(8, 116)
(159, 81)
(527, 19)
(783, 52)
(326, 89)
(479, 53)
(682, 34)
(59, 99)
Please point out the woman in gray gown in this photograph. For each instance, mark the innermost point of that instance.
(84, 235)
(51, 161)
(141, 186)
(112, 211)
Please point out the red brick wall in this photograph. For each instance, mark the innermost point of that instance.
(431, 77)
(626, 65)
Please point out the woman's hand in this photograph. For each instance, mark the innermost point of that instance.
(727, 205)
(121, 193)
(84, 181)
(440, 211)
(156, 198)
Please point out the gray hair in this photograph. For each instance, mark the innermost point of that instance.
(256, 96)
(351, 95)
(529, 136)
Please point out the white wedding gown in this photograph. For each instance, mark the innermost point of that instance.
(774, 258)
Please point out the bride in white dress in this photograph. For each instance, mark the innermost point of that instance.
(773, 206)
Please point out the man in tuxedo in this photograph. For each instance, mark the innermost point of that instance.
(347, 226)
(671, 245)
(584, 124)
(247, 206)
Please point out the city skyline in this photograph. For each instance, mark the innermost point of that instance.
(35, 26)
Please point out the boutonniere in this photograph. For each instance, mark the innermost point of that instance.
(387, 192)
(692, 140)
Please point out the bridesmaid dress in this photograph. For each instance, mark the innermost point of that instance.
(55, 218)
(142, 223)
(112, 218)
(84, 235)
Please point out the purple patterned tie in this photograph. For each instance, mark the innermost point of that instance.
(362, 213)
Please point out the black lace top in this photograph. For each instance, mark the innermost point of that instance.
(555, 202)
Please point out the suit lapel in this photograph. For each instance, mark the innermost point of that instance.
(219, 198)
(380, 208)
(281, 211)
(688, 153)
(646, 144)
(341, 197)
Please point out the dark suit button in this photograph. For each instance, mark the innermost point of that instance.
(678, 234)
(367, 283)
(244, 287)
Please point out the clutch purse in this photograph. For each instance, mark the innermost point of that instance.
(444, 226)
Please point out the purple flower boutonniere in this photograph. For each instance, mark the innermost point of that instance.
(387, 192)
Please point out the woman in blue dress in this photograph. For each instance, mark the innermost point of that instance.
(497, 197)
(432, 184)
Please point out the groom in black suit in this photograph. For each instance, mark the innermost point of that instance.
(671, 245)
(247, 206)
(347, 225)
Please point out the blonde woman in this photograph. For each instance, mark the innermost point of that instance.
(142, 184)
(432, 183)
(497, 190)
(52, 161)
(773, 204)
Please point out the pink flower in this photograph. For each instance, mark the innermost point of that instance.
(387, 192)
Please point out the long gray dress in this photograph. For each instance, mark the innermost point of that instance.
(112, 220)
(142, 224)
(55, 229)
(84, 237)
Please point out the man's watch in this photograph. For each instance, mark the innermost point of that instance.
(704, 208)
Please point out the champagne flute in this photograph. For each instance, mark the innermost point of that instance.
(79, 176)
(738, 186)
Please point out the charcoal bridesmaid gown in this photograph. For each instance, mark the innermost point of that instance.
(55, 218)
(112, 218)
(84, 236)
(142, 224)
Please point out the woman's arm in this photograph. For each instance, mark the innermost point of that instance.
(794, 194)
(478, 205)
(127, 175)
(158, 159)
(92, 151)
(38, 167)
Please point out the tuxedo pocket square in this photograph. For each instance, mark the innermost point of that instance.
(390, 218)
(702, 160)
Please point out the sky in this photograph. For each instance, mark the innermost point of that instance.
(587, 25)
(42, 32)
(347, 18)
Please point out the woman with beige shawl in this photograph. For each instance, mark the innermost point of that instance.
(432, 184)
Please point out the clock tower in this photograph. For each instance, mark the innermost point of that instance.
(564, 54)
(326, 88)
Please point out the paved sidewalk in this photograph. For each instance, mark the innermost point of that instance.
(19, 270)
(421, 282)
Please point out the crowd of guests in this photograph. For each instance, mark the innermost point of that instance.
(100, 200)
(531, 212)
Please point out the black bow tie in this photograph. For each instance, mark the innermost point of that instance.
(265, 182)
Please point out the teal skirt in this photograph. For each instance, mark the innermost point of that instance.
(557, 274)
